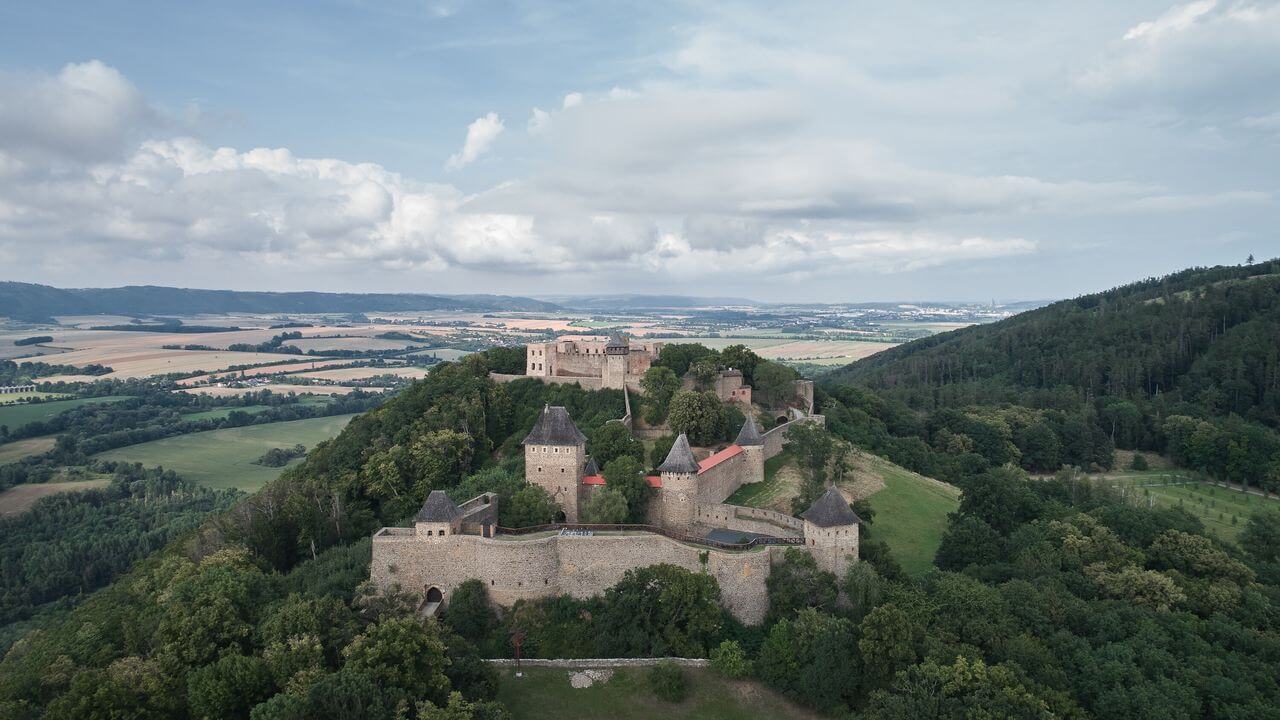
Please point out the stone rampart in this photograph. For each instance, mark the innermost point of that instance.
(752, 520)
(776, 438)
(582, 566)
(586, 383)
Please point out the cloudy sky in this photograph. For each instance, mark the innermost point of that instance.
(842, 151)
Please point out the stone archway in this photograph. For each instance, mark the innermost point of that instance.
(782, 419)
(434, 595)
(561, 517)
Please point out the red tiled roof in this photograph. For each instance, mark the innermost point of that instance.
(718, 458)
(655, 481)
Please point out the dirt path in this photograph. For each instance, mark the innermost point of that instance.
(18, 499)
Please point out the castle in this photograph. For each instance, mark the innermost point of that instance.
(451, 543)
(615, 362)
(618, 363)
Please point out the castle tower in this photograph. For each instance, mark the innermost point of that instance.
(679, 486)
(752, 445)
(439, 518)
(617, 356)
(831, 532)
(555, 456)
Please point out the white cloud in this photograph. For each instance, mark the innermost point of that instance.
(538, 120)
(87, 111)
(572, 99)
(1208, 61)
(480, 136)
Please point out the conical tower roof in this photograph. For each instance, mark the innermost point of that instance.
(831, 510)
(554, 427)
(680, 459)
(437, 508)
(749, 434)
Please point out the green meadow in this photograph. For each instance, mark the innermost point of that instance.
(224, 458)
(15, 416)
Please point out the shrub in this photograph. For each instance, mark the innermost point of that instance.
(730, 660)
(668, 681)
(1139, 462)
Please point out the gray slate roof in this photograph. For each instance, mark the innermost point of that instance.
(592, 468)
(831, 510)
(554, 427)
(616, 340)
(437, 508)
(680, 459)
(749, 434)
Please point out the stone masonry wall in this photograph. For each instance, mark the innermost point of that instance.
(720, 481)
(586, 383)
(514, 569)
(776, 438)
(752, 520)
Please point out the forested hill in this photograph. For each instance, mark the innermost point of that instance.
(1209, 337)
(27, 301)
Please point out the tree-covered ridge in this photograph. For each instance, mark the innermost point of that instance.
(70, 544)
(1202, 345)
(1207, 337)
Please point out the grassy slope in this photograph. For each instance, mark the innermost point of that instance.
(224, 458)
(18, 449)
(15, 416)
(911, 514)
(911, 510)
(545, 694)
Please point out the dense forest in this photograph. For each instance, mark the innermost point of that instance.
(1187, 364)
(70, 544)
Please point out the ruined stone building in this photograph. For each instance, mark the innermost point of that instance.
(614, 362)
(450, 544)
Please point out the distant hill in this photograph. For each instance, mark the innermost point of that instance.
(1207, 336)
(27, 301)
(642, 302)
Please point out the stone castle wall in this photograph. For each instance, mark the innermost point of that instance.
(720, 481)
(752, 520)
(777, 437)
(513, 568)
(586, 383)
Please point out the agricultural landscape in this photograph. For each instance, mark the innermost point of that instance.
(474, 360)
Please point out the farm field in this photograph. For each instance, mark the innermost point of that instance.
(1222, 510)
(316, 364)
(360, 373)
(224, 458)
(323, 344)
(18, 498)
(219, 413)
(138, 362)
(18, 449)
(280, 388)
(446, 354)
(546, 694)
(15, 416)
(785, 347)
(6, 398)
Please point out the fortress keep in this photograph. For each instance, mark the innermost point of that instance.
(450, 543)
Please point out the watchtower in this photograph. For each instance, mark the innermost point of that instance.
(439, 518)
(679, 486)
(752, 444)
(831, 532)
(617, 357)
(555, 456)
